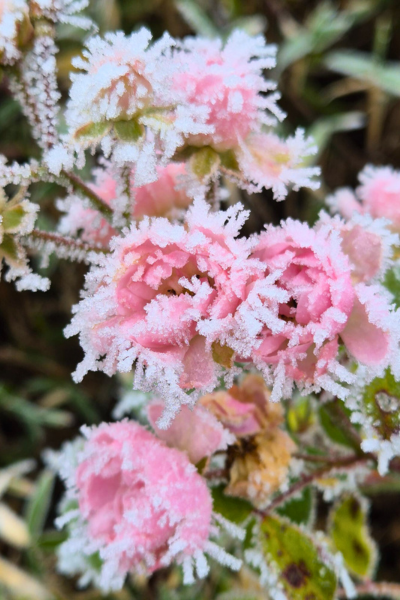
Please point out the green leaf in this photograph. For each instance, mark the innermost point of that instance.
(204, 162)
(349, 533)
(196, 18)
(93, 130)
(9, 248)
(39, 504)
(301, 571)
(50, 540)
(233, 509)
(300, 415)
(381, 399)
(324, 128)
(229, 160)
(299, 510)
(330, 423)
(128, 131)
(363, 66)
(12, 217)
(392, 283)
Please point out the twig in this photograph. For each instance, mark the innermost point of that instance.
(79, 185)
(68, 247)
(378, 589)
(345, 463)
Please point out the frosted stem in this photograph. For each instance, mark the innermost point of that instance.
(96, 201)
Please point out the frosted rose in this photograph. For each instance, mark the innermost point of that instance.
(163, 298)
(259, 465)
(305, 305)
(368, 243)
(141, 505)
(196, 432)
(163, 197)
(245, 409)
(378, 195)
(228, 83)
(267, 161)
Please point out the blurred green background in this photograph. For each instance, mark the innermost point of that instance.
(339, 76)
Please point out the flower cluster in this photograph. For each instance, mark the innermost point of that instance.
(217, 329)
(196, 100)
(185, 303)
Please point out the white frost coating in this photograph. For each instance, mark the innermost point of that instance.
(268, 575)
(12, 13)
(66, 11)
(37, 90)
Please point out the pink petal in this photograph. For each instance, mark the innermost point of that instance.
(367, 342)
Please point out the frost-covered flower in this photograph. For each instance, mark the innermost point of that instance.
(266, 161)
(306, 303)
(194, 431)
(378, 195)
(162, 198)
(17, 218)
(259, 465)
(368, 243)
(228, 82)
(133, 505)
(15, 29)
(162, 300)
(125, 99)
(245, 409)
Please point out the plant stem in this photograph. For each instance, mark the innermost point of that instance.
(70, 244)
(378, 589)
(344, 463)
(79, 185)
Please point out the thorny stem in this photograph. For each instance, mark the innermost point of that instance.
(344, 463)
(377, 589)
(79, 185)
(66, 242)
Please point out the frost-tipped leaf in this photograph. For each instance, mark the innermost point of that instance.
(93, 130)
(205, 163)
(232, 508)
(301, 570)
(128, 131)
(382, 404)
(300, 509)
(350, 536)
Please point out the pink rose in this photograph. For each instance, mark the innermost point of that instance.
(141, 506)
(305, 305)
(162, 298)
(227, 82)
